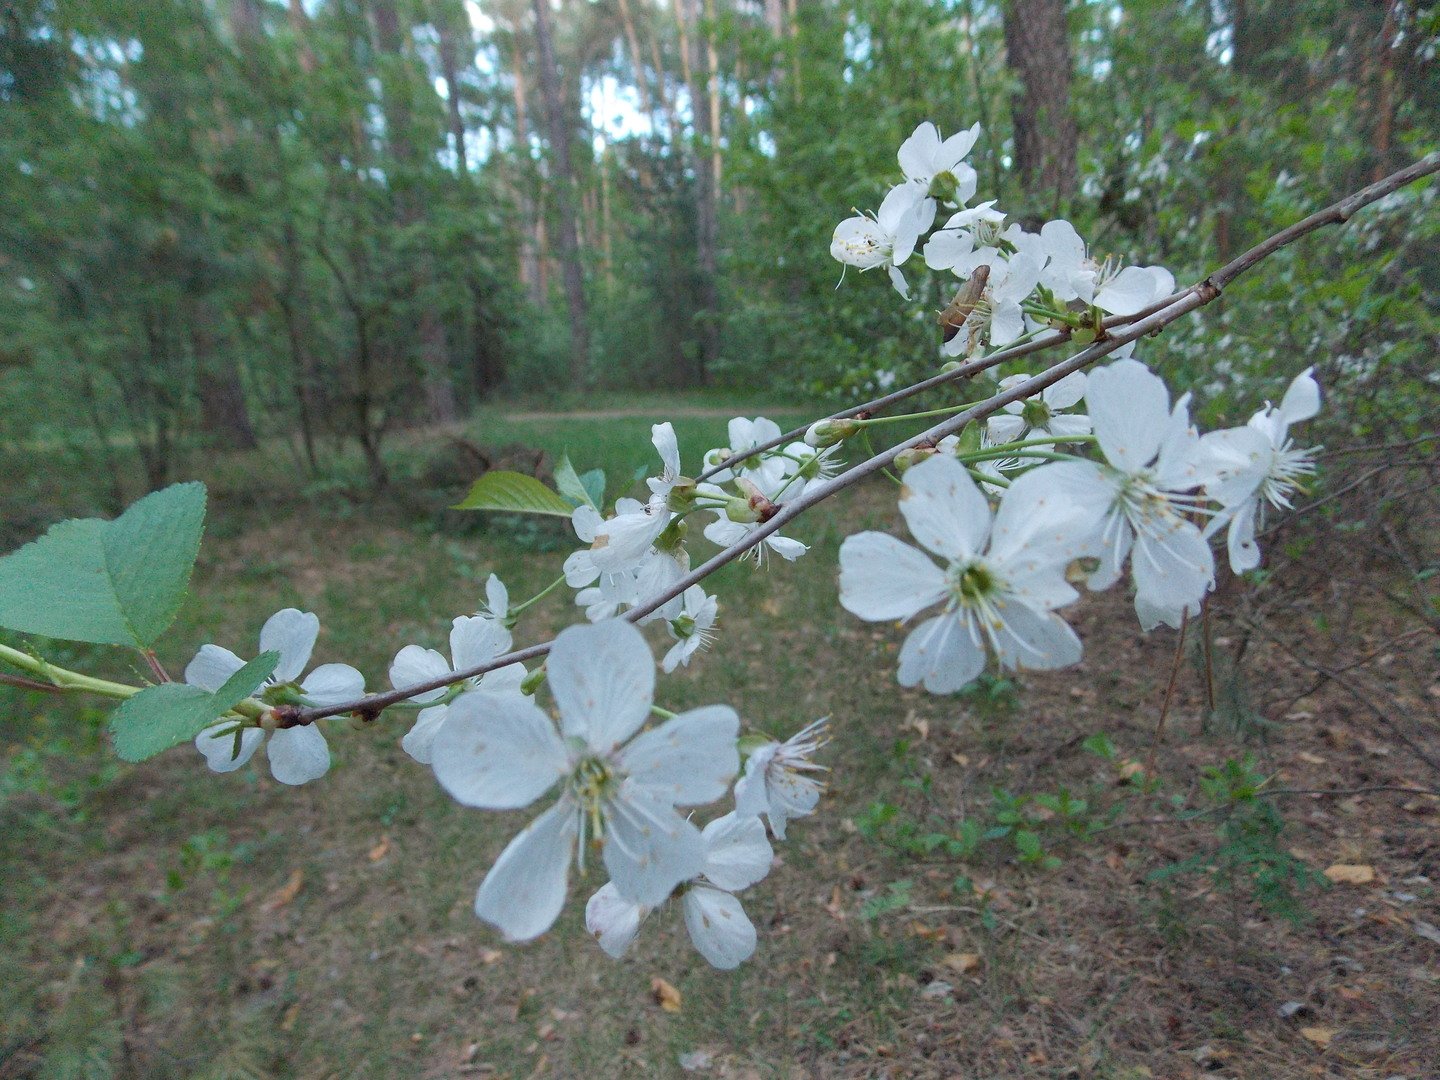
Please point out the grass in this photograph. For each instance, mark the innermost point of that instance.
(161, 921)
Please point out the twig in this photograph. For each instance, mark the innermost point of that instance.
(1169, 696)
(30, 684)
(1198, 295)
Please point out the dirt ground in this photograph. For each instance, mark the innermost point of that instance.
(160, 921)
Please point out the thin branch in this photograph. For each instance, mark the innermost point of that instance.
(1198, 295)
(30, 684)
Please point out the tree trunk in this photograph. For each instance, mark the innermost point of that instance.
(564, 189)
(1037, 50)
(434, 350)
(452, 28)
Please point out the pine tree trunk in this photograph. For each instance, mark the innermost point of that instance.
(1037, 50)
(564, 189)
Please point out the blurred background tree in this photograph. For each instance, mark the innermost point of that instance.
(318, 221)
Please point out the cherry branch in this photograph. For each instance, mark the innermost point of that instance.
(1116, 332)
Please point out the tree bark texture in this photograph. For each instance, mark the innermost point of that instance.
(1037, 49)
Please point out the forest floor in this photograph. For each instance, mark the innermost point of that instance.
(162, 921)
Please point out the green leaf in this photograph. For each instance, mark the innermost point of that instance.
(108, 582)
(513, 492)
(572, 486)
(167, 715)
(594, 484)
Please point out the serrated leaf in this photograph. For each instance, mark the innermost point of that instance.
(571, 486)
(107, 582)
(167, 715)
(514, 493)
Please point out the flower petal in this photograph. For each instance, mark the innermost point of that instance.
(332, 684)
(882, 578)
(688, 760)
(292, 634)
(414, 665)
(649, 848)
(474, 639)
(613, 920)
(497, 751)
(219, 750)
(603, 678)
(944, 508)
(525, 889)
(718, 927)
(1130, 409)
(419, 741)
(1034, 640)
(211, 666)
(298, 755)
(737, 853)
(942, 654)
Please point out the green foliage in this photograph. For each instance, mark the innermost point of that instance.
(166, 715)
(108, 582)
(514, 493)
(588, 490)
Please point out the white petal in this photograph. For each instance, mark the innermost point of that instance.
(944, 508)
(497, 751)
(663, 436)
(413, 665)
(1173, 569)
(1005, 427)
(219, 748)
(603, 678)
(737, 853)
(1130, 409)
(475, 639)
(897, 279)
(525, 889)
(919, 152)
(942, 654)
(586, 520)
(211, 667)
(298, 755)
(791, 795)
(751, 793)
(1007, 322)
(333, 684)
(497, 597)
(649, 848)
(507, 679)
(1244, 552)
(623, 540)
(419, 741)
(292, 634)
(1065, 393)
(1301, 400)
(718, 927)
(1128, 291)
(612, 920)
(1034, 639)
(688, 760)
(786, 547)
(882, 578)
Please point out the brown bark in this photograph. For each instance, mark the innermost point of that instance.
(1037, 49)
(564, 190)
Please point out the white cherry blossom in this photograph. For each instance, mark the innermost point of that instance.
(778, 780)
(1005, 576)
(938, 166)
(999, 317)
(1041, 416)
(745, 435)
(474, 639)
(692, 629)
(622, 541)
(736, 856)
(501, 753)
(1258, 464)
(1136, 504)
(888, 238)
(297, 754)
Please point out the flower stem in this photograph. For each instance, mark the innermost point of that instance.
(64, 679)
(539, 596)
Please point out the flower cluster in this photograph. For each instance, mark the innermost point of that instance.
(1078, 477)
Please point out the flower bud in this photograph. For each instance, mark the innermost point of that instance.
(949, 366)
(532, 681)
(739, 510)
(913, 455)
(824, 433)
(682, 495)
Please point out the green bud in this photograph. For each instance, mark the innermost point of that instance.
(1083, 335)
(740, 510)
(949, 366)
(913, 456)
(682, 495)
(532, 681)
(825, 433)
(943, 185)
(673, 537)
